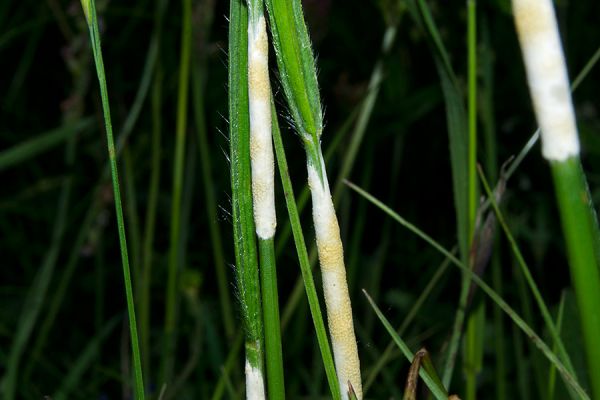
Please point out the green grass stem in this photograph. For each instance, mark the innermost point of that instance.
(174, 264)
(472, 111)
(89, 8)
(199, 79)
(473, 350)
(580, 227)
(150, 220)
(270, 301)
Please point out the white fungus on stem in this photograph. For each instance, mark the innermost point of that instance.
(261, 146)
(335, 287)
(255, 386)
(547, 77)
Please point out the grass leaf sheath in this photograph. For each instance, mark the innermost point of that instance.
(248, 285)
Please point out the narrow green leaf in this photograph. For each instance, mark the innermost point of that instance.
(90, 11)
(436, 388)
(174, 263)
(84, 360)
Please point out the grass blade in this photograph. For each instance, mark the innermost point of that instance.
(36, 295)
(41, 143)
(84, 360)
(89, 8)
(199, 79)
(434, 385)
(174, 266)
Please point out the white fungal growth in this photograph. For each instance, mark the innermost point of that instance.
(335, 287)
(261, 147)
(255, 386)
(547, 76)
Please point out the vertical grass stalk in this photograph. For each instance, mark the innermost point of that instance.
(263, 189)
(473, 349)
(89, 8)
(168, 358)
(199, 78)
(241, 198)
(549, 86)
(298, 77)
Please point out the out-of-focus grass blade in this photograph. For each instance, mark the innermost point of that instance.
(89, 8)
(552, 372)
(41, 143)
(85, 359)
(456, 117)
(34, 301)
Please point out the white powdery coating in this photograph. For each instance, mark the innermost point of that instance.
(547, 77)
(255, 386)
(261, 147)
(335, 287)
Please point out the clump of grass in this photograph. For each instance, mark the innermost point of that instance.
(549, 86)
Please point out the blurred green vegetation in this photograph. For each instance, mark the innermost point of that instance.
(59, 245)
